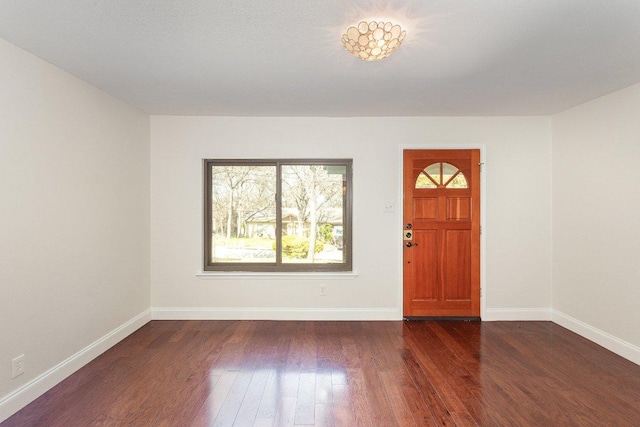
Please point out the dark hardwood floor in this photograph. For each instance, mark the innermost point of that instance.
(419, 373)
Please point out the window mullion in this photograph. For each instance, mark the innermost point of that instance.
(278, 197)
(347, 217)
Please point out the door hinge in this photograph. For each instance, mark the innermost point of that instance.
(480, 165)
(480, 230)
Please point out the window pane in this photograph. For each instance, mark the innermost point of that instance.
(313, 198)
(448, 170)
(459, 181)
(424, 182)
(434, 171)
(243, 214)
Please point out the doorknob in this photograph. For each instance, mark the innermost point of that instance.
(409, 244)
(408, 226)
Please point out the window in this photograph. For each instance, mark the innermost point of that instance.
(438, 175)
(277, 215)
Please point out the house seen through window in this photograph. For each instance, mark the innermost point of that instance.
(277, 215)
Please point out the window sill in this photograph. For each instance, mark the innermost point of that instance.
(339, 275)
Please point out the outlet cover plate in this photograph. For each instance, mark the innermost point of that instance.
(17, 366)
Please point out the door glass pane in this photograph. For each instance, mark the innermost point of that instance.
(312, 213)
(434, 171)
(424, 182)
(458, 181)
(448, 170)
(243, 214)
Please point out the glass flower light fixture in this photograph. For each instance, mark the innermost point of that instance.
(373, 40)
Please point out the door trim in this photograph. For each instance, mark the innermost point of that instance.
(483, 214)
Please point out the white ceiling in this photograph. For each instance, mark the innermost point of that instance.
(284, 57)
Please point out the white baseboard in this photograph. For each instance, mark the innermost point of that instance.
(608, 341)
(268, 313)
(513, 314)
(18, 399)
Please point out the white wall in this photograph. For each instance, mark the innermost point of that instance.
(596, 219)
(518, 212)
(74, 217)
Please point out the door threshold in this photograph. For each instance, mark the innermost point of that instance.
(443, 318)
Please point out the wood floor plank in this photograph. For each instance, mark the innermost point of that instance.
(209, 410)
(343, 413)
(272, 373)
(324, 390)
(358, 399)
(401, 410)
(425, 396)
(443, 374)
(268, 407)
(285, 416)
(324, 415)
(232, 402)
(306, 399)
(248, 410)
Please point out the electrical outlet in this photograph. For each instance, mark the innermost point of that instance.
(17, 366)
(323, 290)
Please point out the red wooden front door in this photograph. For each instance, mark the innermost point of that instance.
(441, 262)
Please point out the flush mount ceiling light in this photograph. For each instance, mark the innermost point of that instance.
(373, 40)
